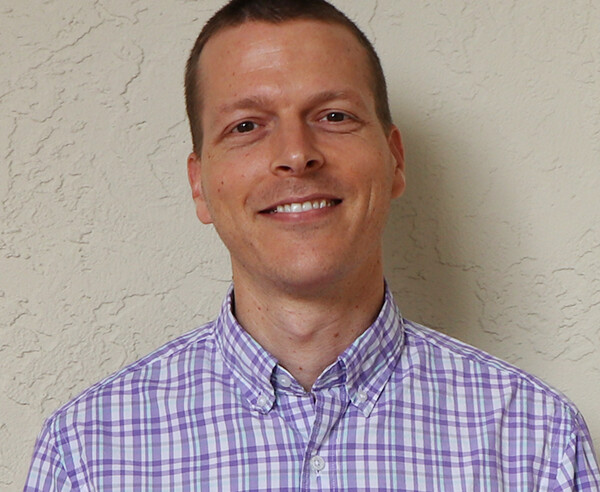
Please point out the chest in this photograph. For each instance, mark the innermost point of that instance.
(322, 442)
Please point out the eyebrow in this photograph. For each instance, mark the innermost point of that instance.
(261, 102)
(245, 103)
(325, 96)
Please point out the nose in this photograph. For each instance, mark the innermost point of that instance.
(296, 151)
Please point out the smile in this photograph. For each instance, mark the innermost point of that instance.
(299, 207)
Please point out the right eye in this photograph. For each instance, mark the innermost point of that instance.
(336, 116)
(244, 127)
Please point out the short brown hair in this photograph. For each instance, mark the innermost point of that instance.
(236, 12)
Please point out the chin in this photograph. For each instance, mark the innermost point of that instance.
(313, 281)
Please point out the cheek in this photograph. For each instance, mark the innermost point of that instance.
(375, 170)
(227, 188)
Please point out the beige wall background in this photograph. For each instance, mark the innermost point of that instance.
(496, 242)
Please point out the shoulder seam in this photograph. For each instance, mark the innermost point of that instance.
(460, 348)
(164, 352)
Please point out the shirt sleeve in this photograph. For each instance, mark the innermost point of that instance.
(578, 470)
(47, 472)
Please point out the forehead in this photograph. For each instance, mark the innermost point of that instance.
(284, 56)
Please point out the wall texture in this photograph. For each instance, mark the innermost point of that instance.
(497, 240)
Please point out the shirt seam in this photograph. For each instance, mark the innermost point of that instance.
(198, 335)
(456, 347)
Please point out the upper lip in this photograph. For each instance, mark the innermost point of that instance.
(301, 199)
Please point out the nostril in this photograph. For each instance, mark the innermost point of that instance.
(296, 164)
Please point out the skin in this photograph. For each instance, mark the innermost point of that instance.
(285, 125)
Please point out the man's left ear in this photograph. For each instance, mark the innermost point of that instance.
(195, 178)
(397, 149)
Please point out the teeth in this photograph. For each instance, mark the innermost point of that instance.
(303, 207)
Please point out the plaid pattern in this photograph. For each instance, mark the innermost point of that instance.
(404, 409)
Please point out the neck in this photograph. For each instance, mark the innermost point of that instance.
(304, 333)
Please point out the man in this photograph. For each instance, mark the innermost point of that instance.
(309, 379)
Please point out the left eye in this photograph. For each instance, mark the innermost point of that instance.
(335, 116)
(244, 127)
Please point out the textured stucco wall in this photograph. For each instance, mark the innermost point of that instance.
(497, 240)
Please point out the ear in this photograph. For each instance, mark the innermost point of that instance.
(397, 150)
(195, 179)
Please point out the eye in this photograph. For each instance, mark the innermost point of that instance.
(336, 116)
(245, 127)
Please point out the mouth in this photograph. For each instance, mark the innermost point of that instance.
(300, 207)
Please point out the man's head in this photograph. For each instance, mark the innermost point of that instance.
(236, 12)
(296, 170)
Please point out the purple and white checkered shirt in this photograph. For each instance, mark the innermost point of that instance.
(404, 408)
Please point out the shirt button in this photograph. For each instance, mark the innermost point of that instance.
(285, 381)
(362, 396)
(261, 401)
(317, 463)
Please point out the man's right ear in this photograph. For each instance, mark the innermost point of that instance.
(195, 178)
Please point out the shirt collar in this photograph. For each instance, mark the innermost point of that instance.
(250, 364)
(364, 367)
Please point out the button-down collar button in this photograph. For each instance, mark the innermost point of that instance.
(261, 401)
(285, 381)
(362, 396)
(317, 463)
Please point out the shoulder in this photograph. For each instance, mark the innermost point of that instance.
(176, 364)
(473, 372)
